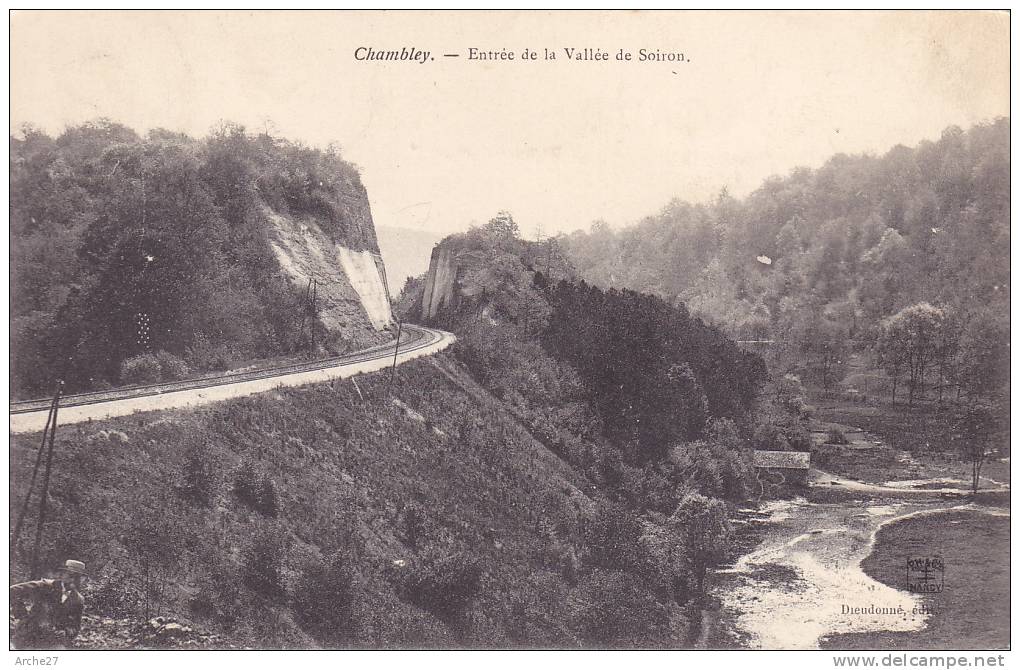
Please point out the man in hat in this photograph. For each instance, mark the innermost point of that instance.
(49, 610)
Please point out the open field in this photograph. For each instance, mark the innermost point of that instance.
(899, 443)
(925, 426)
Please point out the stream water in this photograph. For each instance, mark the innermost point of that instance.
(805, 581)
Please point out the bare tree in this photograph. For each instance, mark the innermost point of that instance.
(972, 431)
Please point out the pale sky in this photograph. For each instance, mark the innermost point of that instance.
(558, 143)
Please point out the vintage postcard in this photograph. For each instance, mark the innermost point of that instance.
(511, 330)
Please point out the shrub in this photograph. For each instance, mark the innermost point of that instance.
(152, 368)
(415, 525)
(171, 367)
(782, 434)
(268, 503)
(323, 598)
(611, 539)
(256, 490)
(155, 540)
(836, 436)
(614, 609)
(205, 354)
(141, 369)
(198, 478)
(445, 586)
(112, 592)
(246, 484)
(262, 564)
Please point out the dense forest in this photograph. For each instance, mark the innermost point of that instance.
(903, 258)
(139, 258)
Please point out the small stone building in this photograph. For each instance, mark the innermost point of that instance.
(790, 466)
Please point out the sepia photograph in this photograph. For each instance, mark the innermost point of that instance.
(510, 330)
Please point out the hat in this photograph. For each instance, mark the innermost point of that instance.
(74, 567)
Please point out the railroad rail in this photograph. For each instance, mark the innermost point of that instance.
(29, 415)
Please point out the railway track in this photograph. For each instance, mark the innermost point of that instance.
(30, 415)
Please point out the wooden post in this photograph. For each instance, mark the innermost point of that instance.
(396, 348)
(34, 569)
(35, 472)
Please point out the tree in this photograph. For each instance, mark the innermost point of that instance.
(973, 427)
(983, 357)
(910, 338)
(702, 530)
(503, 229)
(824, 344)
(947, 345)
(892, 355)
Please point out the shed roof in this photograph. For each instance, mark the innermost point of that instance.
(798, 460)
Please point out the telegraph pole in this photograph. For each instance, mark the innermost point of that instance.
(313, 308)
(396, 348)
(34, 565)
(16, 534)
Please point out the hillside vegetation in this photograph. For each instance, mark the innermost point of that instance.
(353, 514)
(129, 248)
(902, 257)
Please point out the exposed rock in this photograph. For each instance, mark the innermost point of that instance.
(351, 294)
(156, 633)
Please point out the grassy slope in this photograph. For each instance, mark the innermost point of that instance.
(345, 461)
(972, 612)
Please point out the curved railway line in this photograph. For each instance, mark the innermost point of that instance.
(30, 415)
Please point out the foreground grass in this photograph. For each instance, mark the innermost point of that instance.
(972, 611)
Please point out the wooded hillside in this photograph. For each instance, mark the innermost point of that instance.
(817, 261)
(157, 247)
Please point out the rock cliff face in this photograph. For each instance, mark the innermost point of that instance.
(440, 282)
(351, 292)
(452, 276)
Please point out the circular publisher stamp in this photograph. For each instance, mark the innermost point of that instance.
(926, 575)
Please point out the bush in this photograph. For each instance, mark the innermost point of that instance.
(262, 564)
(836, 436)
(198, 478)
(614, 609)
(152, 368)
(782, 434)
(323, 598)
(611, 540)
(205, 354)
(415, 525)
(171, 367)
(141, 369)
(256, 490)
(445, 586)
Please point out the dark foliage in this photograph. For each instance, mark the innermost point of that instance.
(612, 609)
(255, 489)
(445, 586)
(198, 476)
(262, 564)
(652, 371)
(323, 598)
